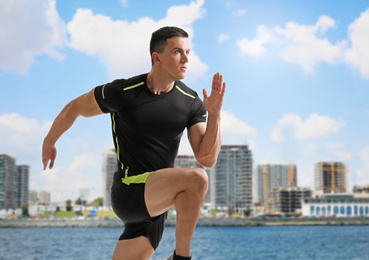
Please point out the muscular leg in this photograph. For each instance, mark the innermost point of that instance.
(133, 249)
(184, 188)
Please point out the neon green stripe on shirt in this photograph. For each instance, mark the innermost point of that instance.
(189, 95)
(136, 179)
(134, 86)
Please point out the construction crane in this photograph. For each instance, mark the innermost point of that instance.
(291, 175)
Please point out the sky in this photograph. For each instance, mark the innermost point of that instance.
(297, 75)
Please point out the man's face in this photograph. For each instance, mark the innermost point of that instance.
(174, 58)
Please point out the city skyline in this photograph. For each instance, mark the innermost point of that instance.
(108, 165)
(297, 78)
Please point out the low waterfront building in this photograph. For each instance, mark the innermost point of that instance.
(336, 205)
(287, 200)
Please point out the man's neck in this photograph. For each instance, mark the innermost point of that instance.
(158, 83)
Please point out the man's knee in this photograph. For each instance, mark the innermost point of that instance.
(199, 180)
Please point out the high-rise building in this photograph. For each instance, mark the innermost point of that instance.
(43, 197)
(8, 180)
(22, 184)
(109, 166)
(189, 161)
(32, 197)
(232, 178)
(271, 176)
(330, 177)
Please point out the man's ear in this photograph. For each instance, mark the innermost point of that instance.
(155, 58)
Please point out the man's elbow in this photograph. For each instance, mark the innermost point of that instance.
(207, 162)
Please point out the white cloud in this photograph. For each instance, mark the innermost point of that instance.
(223, 37)
(233, 128)
(306, 48)
(124, 46)
(21, 135)
(316, 126)
(358, 55)
(362, 175)
(29, 29)
(239, 12)
(233, 131)
(124, 3)
(256, 47)
(65, 182)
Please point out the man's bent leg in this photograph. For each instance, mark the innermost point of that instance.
(133, 249)
(184, 188)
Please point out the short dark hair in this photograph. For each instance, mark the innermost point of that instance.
(159, 38)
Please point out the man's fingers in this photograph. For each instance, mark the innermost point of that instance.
(205, 93)
(51, 165)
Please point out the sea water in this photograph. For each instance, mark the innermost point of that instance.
(209, 243)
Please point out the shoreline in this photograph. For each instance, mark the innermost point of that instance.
(202, 222)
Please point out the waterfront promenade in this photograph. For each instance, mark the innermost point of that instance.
(210, 222)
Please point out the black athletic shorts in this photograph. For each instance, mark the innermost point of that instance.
(128, 202)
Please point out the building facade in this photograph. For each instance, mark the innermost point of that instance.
(8, 195)
(336, 205)
(109, 166)
(330, 177)
(232, 178)
(22, 184)
(287, 200)
(32, 197)
(43, 197)
(270, 176)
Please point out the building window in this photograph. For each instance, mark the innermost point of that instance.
(312, 211)
(335, 210)
(317, 211)
(361, 211)
(366, 210)
(329, 211)
(348, 210)
(342, 210)
(323, 211)
(355, 210)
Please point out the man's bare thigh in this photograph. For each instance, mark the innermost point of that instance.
(164, 185)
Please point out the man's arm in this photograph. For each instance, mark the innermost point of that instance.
(205, 138)
(84, 105)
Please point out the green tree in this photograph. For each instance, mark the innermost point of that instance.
(79, 201)
(230, 211)
(247, 212)
(98, 202)
(25, 211)
(68, 205)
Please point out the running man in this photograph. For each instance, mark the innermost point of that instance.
(149, 113)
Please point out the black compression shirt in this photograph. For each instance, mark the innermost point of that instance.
(147, 128)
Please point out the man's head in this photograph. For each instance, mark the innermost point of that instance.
(159, 38)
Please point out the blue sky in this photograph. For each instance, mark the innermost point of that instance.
(297, 76)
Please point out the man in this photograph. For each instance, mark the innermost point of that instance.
(149, 113)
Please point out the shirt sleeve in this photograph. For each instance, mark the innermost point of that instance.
(199, 113)
(108, 96)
